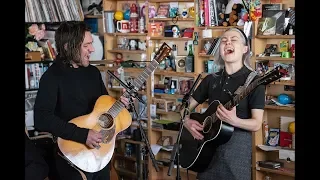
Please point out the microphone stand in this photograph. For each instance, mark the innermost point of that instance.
(130, 93)
(175, 152)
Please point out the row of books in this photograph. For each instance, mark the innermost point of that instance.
(33, 73)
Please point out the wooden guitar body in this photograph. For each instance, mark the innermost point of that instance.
(93, 160)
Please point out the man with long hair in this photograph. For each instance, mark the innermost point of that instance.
(69, 89)
(232, 160)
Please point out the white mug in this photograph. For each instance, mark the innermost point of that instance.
(123, 26)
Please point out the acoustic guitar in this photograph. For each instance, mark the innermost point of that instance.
(109, 117)
(196, 155)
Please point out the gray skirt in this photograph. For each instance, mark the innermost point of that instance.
(232, 161)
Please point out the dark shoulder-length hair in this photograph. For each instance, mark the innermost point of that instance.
(68, 38)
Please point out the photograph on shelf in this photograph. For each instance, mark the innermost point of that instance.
(185, 85)
(266, 26)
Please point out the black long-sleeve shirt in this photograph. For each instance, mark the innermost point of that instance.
(65, 93)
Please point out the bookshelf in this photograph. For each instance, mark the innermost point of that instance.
(111, 41)
(273, 113)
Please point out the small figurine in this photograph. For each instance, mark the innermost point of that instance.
(175, 31)
(184, 12)
(207, 46)
(134, 19)
(133, 44)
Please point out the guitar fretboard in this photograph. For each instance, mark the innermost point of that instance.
(137, 83)
(242, 95)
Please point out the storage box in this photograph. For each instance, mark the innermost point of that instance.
(33, 56)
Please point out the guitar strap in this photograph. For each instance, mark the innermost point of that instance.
(81, 173)
(84, 177)
(248, 81)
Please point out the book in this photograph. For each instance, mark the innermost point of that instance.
(270, 164)
(271, 7)
(273, 138)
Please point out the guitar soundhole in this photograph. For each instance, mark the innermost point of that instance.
(105, 121)
(207, 124)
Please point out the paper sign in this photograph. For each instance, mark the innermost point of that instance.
(288, 155)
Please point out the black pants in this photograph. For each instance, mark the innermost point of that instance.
(67, 172)
(36, 167)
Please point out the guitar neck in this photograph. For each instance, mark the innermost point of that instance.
(242, 95)
(137, 84)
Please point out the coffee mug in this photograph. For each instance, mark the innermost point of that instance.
(123, 26)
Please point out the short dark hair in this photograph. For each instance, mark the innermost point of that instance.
(70, 34)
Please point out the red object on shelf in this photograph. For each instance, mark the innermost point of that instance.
(285, 139)
(134, 18)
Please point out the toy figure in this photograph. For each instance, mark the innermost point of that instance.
(134, 18)
(133, 44)
(175, 31)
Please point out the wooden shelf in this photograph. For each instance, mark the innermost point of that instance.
(167, 113)
(279, 107)
(281, 171)
(130, 141)
(169, 96)
(38, 61)
(275, 58)
(98, 62)
(120, 89)
(284, 82)
(126, 51)
(126, 34)
(173, 73)
(276, 149)
(171, 38)
(205, 55)
(93, 16)
(171, 19)
(164, 130)
(219, 27)
(160, 1)
(275, 36)
(129, 70)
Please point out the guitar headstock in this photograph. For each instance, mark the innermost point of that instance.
(273, 75)
(163, 52)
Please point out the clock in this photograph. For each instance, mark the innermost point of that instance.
(180, 64)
